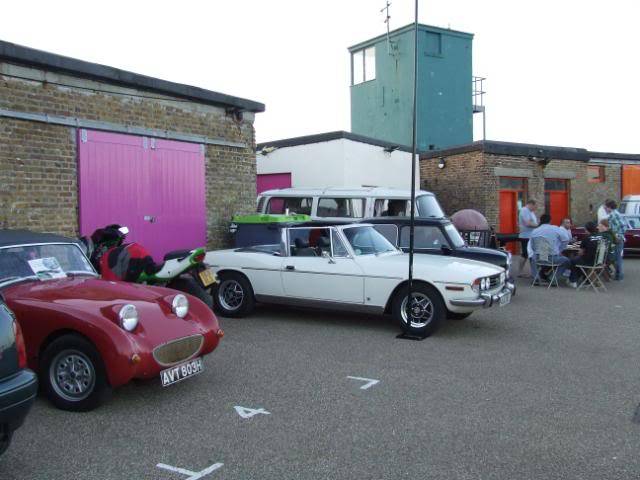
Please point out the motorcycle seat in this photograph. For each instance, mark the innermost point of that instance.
(177, 255)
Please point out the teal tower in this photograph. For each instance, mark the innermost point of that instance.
(382, 87)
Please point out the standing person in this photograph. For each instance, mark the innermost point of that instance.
(558, 238)
(527, 221)
(618, 228)
(602, 211)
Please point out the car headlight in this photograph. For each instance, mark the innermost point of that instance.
(180, 305)
(128, 316)
(484, 283)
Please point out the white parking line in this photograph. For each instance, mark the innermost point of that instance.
(370, 382)
(191, 475)
(245, 412)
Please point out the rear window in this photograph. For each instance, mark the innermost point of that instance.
(290, 205)
(341, 207)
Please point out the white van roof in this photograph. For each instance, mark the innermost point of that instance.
(631, 198)
(343, 191)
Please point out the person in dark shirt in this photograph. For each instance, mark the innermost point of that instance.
(588, 248)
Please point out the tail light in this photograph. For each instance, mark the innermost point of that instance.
(20, 347)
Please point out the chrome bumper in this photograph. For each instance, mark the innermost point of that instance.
(486, 300)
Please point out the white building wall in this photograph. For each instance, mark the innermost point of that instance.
(339, 163)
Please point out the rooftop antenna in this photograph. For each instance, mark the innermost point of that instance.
(387, 21)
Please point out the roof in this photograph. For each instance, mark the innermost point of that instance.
(345, 191)
(410, 28)
(532, 150)
(407, 220)
(329, 136)
(21, 237)
(12, 53)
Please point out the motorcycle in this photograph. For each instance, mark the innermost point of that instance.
(182, 270)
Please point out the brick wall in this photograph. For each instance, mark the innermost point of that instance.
(38, 188)
(471, 180)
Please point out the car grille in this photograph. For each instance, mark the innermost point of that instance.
(178, 351)
(494, 282)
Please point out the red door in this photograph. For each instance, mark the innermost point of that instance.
(556, 199)
(630, 180)
(269, 181)
(512, 191)
(154, 187)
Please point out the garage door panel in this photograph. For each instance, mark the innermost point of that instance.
(155, 188)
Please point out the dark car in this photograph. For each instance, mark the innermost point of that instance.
(18, 385)
(437, 236)
(632, 235)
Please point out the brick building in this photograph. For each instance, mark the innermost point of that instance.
(496, 177)
(143, 136)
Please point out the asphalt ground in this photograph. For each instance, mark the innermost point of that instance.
(545, 388)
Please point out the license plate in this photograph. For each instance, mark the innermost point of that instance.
(505, 300)
(180, 372)
(207, 277)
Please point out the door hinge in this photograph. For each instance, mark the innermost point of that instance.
(83, 135)
(153, 144)
(145, 142)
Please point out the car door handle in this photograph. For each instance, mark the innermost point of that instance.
(290, 267)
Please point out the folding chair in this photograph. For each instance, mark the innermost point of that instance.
(543, 254)
(593, 273)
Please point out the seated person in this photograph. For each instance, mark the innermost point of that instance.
(588, 247)
(557, 237)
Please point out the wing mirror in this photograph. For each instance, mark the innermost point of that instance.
(446, 250)
(124, 230)
(328, 256)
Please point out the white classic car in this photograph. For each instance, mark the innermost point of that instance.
(353, 267)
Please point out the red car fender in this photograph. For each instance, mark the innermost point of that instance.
(115, 345)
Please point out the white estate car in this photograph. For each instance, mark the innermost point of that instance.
(353, 267)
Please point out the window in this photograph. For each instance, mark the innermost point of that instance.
(384, 207)
(555, 185)
(454, 235)
(512, 183)
(428, 207)
(260, 205)
(388, 231)
(595, 174)
(423, 237)
(433, 44)
(309, 242)
(280, 205)
(367, 241)
(341, 207)
(337, 245)
(363, 65)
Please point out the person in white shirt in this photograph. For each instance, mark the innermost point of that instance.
(602, 211)
(527, 221)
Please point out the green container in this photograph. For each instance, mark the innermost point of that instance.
(270, 218)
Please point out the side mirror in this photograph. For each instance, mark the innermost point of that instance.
(124, 230)
(446, 250)
(328, 256)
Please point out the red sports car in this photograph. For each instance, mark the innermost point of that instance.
(86, 336)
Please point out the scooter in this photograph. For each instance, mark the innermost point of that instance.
(182, 270)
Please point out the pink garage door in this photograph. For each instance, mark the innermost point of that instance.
(267, 181)
(154, 187)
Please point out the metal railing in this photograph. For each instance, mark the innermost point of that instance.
(478, 94)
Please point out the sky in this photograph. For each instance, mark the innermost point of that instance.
(559, 72)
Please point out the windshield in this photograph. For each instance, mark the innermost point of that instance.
(428, 207)
(367, 241)
(42, 262)
(633, 222)
(454, 236)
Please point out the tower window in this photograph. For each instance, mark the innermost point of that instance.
(363, 65)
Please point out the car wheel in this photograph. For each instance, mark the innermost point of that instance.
(5, 441)
(457, 316)
(73, 375)
(427, 307)
(190, 286)
(233, 296)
